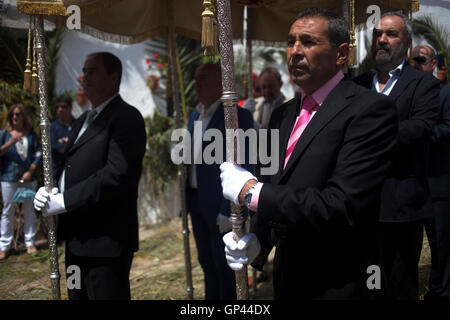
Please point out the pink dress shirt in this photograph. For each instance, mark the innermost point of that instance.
(319, 96)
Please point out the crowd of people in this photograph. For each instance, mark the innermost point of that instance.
(364, 169)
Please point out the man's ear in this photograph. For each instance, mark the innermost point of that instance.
(434, 63)
(280, 83)
(115, 78)
(342, 54)
(409, 43)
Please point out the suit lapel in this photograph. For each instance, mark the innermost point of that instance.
(289, 113)
(217, 118)
(195, 115)
(336, 101)
(403, 81)
(97, 125)
(75, 130)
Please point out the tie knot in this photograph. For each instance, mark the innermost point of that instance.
(309, 103)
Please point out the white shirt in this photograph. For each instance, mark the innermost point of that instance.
(22, 147)
(205, 117)
(393, 77)
(99, 108)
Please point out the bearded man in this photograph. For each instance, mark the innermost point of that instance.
(405, 198)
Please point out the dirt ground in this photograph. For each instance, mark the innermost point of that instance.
(157, 273)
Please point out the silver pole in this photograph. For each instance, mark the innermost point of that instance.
(229, 99)
(248, 47)
(46, 152)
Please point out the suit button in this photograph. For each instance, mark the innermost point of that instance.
(68, 166)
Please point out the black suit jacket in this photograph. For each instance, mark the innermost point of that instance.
(439, 173)
(209, 189)
(406, 195)
(324, 205)
(102, 171)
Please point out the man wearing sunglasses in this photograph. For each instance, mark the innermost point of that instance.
(424, 58)
(438, 226)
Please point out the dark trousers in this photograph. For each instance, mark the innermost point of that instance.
(401, 245)
(101, 278)
(220, 283)
(438, 233)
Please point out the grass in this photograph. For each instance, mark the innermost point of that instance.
(157, 273)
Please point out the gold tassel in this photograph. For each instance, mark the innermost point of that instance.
(34, 76)
(353, 52)
(209, 29)
(49, 7)
(27, 73)
(415, 5)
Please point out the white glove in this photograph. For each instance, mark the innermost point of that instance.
(224, 223)
(250, 105)
(233, 180)
(242, 252)
(49, 204)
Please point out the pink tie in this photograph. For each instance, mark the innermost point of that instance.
(308, 105)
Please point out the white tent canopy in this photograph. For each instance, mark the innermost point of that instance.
(76, 46)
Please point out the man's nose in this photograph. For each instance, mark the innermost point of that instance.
(297, 48)
(382, 38)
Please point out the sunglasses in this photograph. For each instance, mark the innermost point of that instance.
(17, 114)
(64, 106)
(420, 59)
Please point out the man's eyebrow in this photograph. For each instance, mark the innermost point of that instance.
(304, 36)
(387, 30)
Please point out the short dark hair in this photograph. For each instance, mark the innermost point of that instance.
(111, 62)
(67, 99)
(338, 30)
(273, 71)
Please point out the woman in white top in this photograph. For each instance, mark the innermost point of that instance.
(20, 154)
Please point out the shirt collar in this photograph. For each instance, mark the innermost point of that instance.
(397, 70)
(320, 94)
(211, 110)
(102, 105)
(393, 74)
(62, 124)
(277, 101)
(394, 71)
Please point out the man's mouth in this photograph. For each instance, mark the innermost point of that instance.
(383, 49)
(298, 67)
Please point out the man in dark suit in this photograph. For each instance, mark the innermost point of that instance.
(60, 128)
(406, 199)
(336, 142)
(438, 226)
(209, 210)
(97, 204)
